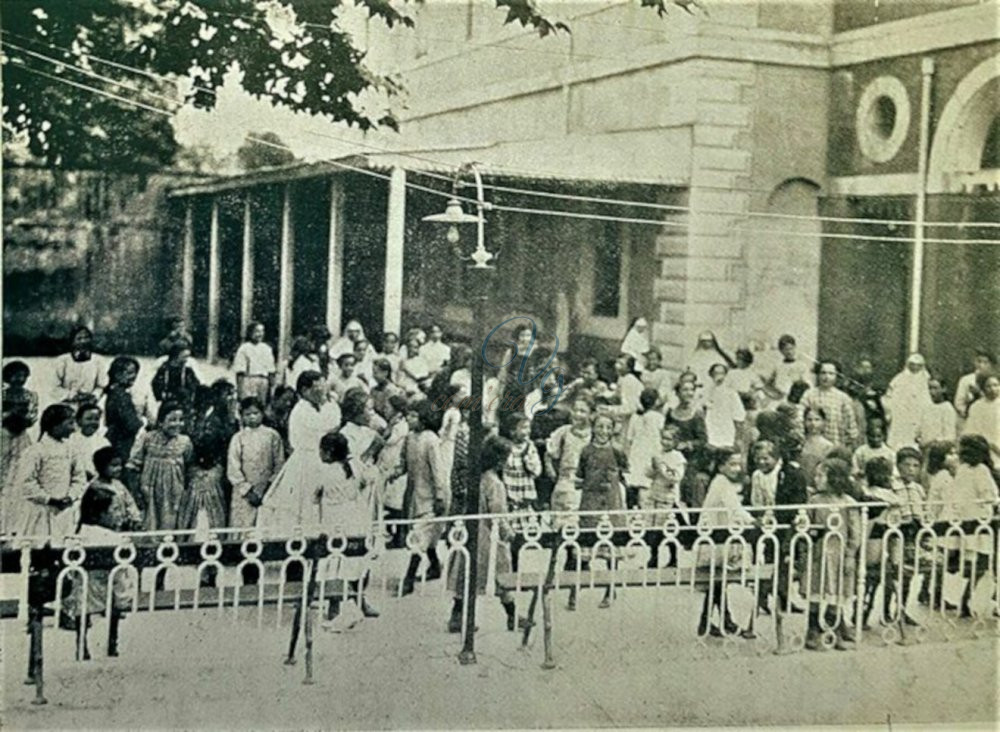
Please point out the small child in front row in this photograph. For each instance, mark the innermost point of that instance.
(256, 454)
(875, 447)
(106, 508)
(665, 473)
(906, 497)
(599, 475)
(522, 467)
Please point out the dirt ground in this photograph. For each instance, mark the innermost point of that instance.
(636, 664)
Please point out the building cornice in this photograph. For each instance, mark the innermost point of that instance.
(715, 43)
(920, 34)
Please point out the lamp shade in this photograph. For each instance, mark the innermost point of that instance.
(453, 214)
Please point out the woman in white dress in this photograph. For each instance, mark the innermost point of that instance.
(286, 504)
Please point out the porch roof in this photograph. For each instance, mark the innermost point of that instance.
(385, 163)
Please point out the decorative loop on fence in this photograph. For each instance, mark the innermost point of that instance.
(671, 526)
(211, 550)
(251, 548)
(570, 532)
(74, 554)
(768, 522)
(458, 534)
(167, 552)
(801, 522)
(295, 547)
(636, 526)
(125, 552)
(835, 522)
(337, 543)
(531, 528)
(605, 529)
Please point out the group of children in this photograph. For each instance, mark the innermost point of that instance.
(354, 434)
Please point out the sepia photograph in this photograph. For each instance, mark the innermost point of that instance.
(500, 364)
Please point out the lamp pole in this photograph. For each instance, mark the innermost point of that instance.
(480, 270)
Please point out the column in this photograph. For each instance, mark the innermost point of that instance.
(213, 284)
(395, 231)
(286, 275)
(335, 257)
(246, 278)
(187, 265)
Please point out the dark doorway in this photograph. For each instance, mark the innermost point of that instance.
(230, 273)
(202, 224)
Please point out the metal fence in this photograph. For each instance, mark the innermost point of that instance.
(783, 579)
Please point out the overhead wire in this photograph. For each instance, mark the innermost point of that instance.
(535, 211)
(548, 194)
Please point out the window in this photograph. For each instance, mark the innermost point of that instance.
(607, 272)
(882, 119)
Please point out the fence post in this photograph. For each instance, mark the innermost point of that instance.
(862, 570)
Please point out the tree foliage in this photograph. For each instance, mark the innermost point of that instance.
(293, 53)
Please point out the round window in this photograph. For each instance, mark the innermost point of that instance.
(883, 118)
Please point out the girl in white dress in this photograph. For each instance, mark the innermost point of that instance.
(286, 504)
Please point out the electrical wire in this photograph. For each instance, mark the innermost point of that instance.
(580, 198)
(562, 214)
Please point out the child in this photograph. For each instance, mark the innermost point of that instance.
(122, 416)
(395, 488)
(450, 422)
(345, 501)
(364, 356)
(600, 474)
(413, 370)
(642, 437)
(205, 504)
(789, 370)
(435, 353)
(523, 464)
(626, 391)
(938, 420)
(492, 500)
(50, 478)
(159, 466)
(302, 357)
(724, 411)
(942, 462)
(278, 412)
(363, 441)
(256, 454)
(80, 375)
(427, 488)
(254, 365)
(562, 455)
(390, 350)
(984, 415)
(973, 497)
(654, 376)
(105, 509)
(832, 572)
(175, 382)
(589, 385)
(20, 411)
(664, 472)
(723, 507)
(744, 380)
(816, 447)
(345, 380)
(875, 448)
(86, 441)
(692, 438)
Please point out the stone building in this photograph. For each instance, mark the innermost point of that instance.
(729, 133)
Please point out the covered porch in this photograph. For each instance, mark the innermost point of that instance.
(341, 240)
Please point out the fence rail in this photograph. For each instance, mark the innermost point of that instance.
(815, 576)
